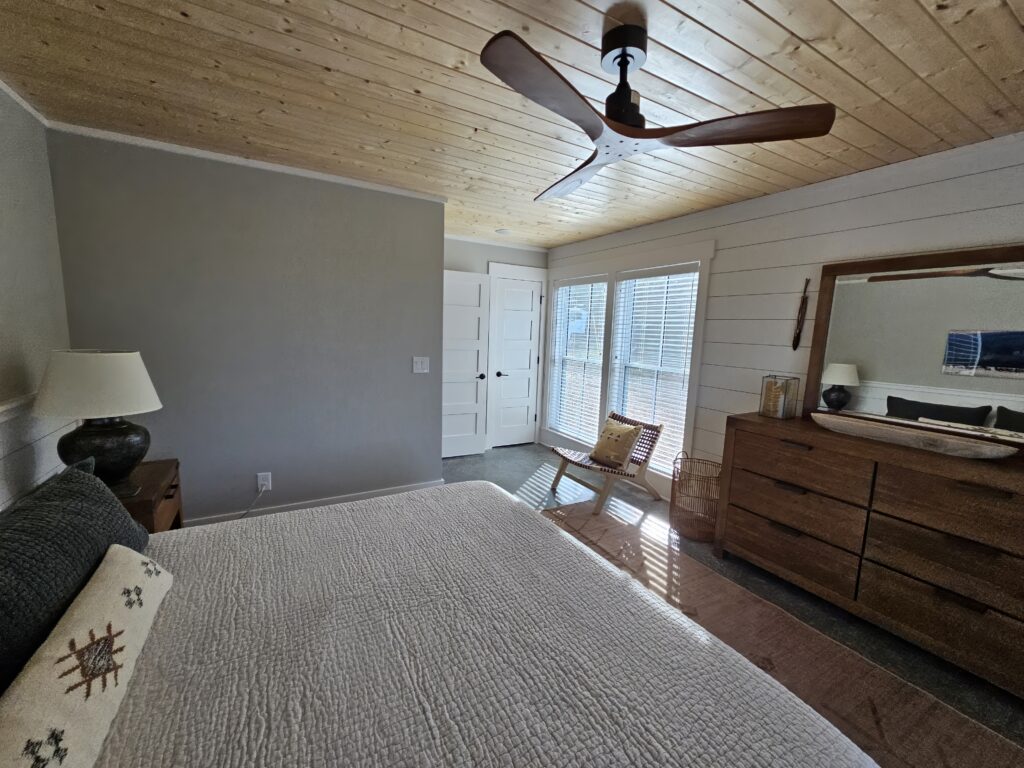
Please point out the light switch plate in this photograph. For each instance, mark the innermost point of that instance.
(421, 365)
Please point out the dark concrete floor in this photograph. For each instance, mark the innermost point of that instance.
(528, 470)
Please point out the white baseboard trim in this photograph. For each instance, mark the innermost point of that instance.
(259, 511)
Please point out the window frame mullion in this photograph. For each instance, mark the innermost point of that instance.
(610, 319)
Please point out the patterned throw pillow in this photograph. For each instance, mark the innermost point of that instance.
(50, 543)
(58, 711)
(615, 445)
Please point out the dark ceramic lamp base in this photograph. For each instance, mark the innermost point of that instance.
(117, 446)
(836, 397)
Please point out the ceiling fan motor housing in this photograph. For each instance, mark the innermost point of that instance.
(624, 50)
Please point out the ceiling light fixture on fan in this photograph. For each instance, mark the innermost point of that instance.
(620, 132)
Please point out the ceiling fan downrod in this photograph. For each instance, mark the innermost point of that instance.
(624, 50)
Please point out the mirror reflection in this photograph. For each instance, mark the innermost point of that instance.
(942, 347)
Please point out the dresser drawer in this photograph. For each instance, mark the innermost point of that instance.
(169, 508)
(966, 567)
(788, 552)
(833, 521)
(816, 469)
(984, 641)
(989, 515)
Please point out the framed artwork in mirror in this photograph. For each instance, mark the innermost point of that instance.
(997, 354)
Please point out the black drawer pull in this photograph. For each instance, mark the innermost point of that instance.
(171, 492)
(782, 528)
(784, 486)
(797, 445)
(965, 602)
(984, 490)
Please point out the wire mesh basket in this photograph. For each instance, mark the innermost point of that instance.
(694, 507)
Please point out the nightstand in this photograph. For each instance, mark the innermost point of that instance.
(158, 505)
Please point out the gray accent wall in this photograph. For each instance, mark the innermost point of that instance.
(468, 256)
(32, 316)
(278, 316)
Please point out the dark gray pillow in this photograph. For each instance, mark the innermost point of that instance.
(1009, 419)
(50, 543)
(917, 409)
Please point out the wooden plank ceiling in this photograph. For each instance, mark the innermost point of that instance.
(392, 91)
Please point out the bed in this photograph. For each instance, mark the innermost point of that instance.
(450, 626)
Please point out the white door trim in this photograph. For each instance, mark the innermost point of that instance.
(517, 272)
(475, 443)
(666, 252)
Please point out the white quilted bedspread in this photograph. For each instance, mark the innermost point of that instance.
(451, 626)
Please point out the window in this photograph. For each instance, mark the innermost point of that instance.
(577, 358)
(652, 337)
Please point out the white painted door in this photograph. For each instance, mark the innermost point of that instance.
(464, 364)
(514, 361)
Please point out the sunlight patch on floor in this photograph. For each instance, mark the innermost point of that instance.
(638, 541)
(536, 491)
(537, 486)
(624, 511)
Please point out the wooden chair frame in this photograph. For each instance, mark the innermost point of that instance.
(635, 471)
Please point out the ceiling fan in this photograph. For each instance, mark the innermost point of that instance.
(620, 132)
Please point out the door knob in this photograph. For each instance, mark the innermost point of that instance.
(498, 374)
(482, 376)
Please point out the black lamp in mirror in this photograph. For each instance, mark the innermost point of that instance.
(839, 376)
(100, 387)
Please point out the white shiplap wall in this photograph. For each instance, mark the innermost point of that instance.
(33, 319)
(967, 197)
(28, 449)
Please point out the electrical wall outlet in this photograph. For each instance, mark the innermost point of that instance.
(262, 481)
(421, 365)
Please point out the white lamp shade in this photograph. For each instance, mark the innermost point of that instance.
(95, 384)
(843, 374)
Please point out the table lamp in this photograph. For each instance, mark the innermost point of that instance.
(101, 387)
(839, 375)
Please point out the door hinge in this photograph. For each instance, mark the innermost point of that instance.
(538, 359)
(535, 417)
(542, 298)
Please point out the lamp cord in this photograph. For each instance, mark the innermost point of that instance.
(249, 508)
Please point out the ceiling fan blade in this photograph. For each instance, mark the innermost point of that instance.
(524, 70)
(771, 125)
(573, 181)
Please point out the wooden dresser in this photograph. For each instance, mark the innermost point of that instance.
(930, 547)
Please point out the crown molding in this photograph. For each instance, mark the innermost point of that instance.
(24, 104)
(180, 149)
(497, 244)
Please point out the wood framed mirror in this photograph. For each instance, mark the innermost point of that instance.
(903, 329)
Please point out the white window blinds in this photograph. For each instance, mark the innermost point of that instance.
(652, 338)
(577, 355)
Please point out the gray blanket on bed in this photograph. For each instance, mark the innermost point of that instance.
(451, 626)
